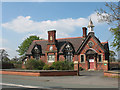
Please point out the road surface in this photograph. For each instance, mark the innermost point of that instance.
(87, 79)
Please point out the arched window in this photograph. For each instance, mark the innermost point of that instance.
(36, 53)
(68, 53)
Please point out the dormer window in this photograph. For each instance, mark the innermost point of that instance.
(36, 53)
(36, 48)
(68, 53)
(68, 47)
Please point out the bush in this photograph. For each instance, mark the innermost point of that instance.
(40, 64)
(6, 65)
(17, 64)
(71, 64)
(46, 67)
(62, 65)
(33, 64)
(80, 68)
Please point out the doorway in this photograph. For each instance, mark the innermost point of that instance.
(91, 62)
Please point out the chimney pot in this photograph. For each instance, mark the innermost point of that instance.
(84, 32)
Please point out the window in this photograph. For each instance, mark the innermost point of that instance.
(69, 57)
(51, 58)
(36, 53)
(37, 56)
(99, 58)
(90, 44)
(68, 53)
(82, 58)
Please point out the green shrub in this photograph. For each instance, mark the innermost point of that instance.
(40, 64)
(46, 67)
(80, 68)
(6, 65)
(62, 65)
(51, 67)
(71, 64)
(33, 64)
(17, 64)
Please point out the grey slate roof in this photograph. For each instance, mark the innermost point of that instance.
(60, 43)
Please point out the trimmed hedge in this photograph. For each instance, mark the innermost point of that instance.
(63, 65)
(46, 67)
(60, 65)
(33, 64)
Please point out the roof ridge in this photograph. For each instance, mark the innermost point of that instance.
(58, 39)
(39, 40)
(105, 42)
(68, 38)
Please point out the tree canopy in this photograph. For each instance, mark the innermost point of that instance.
(22, 49)
(4, 55)
(112, 17)
(112, 56)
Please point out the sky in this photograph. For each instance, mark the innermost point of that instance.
(22, 19)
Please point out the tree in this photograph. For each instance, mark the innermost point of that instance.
(112, 17)
(112, 56)
(22, 49)
(4, 55)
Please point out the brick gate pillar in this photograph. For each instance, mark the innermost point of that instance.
(76, 67)
(86, 62)
(95, 61)
(105, 65)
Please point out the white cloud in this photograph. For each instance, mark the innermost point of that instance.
(64, 27)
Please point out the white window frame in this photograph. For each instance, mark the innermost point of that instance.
(101, 58)
(52, 58)
(84, 58)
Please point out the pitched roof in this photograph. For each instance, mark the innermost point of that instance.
(76, 43)
(60, 43)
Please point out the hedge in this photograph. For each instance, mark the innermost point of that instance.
(33, 64)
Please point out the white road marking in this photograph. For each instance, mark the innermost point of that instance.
(17, 85)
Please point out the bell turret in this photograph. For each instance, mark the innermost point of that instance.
(90, 26)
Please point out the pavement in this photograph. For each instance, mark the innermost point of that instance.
(87, 79)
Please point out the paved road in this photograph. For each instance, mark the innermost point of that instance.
(88, 79)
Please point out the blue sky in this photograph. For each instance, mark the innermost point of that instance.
(21, 19)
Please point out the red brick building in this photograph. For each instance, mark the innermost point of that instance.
(87, 51)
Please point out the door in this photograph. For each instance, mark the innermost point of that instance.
(91, 61)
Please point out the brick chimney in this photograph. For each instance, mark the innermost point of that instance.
(51, 36)
(84, 32)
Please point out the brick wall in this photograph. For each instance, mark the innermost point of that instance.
(112, 74)
(41, 73)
